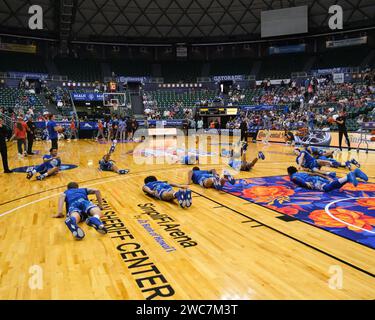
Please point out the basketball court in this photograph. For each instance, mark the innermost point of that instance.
(223, 247)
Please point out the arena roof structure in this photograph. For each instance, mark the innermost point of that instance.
(168, 20)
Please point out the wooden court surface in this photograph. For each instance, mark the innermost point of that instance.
(237, 250)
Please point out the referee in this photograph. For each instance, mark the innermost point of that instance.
(3, 146)
(343, 131)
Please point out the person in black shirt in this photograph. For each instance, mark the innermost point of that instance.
(341, 124)
(3, 146)
(244, 128)
(30, 135)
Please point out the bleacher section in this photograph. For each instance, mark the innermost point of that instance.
(342, 57)
(166, 99)
(231, 67)
(187, 71)
(130, 68)
(10, 61)
(79, 70)
(281, 66)
(12, 97)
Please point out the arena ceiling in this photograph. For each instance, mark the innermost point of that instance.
(167, 20)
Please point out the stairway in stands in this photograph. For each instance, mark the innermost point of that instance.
(51, 108)
(136, 103)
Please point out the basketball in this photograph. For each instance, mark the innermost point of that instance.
(330, 120)
(60, 129)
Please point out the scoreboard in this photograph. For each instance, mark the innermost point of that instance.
(218, 111)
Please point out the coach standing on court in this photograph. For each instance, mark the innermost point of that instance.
(244, 128)
(30, 135)
(343, 131)
(52, 131)
(3, 146)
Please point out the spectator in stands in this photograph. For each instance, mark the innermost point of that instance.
(3, 146)
(129, 129)
(30, 135)
(73, 129)
(200, 124)
(100, 130)
(134, 126)
(19, 134)
(52, 131)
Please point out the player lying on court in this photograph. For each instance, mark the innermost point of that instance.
(50, 166)
(316, 181)
(106, 164)
(80, 208)
(189, 159)
(306, 161)
(163, 190)
(243, 164)
(327, 155)
(209, 178)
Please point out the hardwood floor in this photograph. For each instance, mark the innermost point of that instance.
(220, 248)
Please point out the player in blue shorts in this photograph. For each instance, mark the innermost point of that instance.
(50, 166)
(80, 208)
(163, 190)
(327, 155)
(316, 181)
(209, 178)
(306, 161)
(317, 152)
(106, 164)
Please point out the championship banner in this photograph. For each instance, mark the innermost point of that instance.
(14, 47)
(346, 42)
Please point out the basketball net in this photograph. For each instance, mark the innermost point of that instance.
(115, 107)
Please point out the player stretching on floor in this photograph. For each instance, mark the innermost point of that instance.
(50, 166)
(80, 208)
(306, 161)
(316, 181)
(209, 178)
(327, 155)
(106, 164)
(243, 164)
(162, 190)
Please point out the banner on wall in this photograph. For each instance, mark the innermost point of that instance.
(228, 78)
(89, 96)
(346, 42)
(338, 78)
(14, 47)
(320, 138)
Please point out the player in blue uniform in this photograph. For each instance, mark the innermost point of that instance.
(327, 155)
(306, 161)
(163, 190)
(106, 164)
(209, 178)
(50, 166)
(243, 164)
(316, 181)
(317, 152)
(80, 208)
